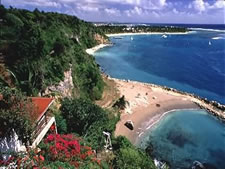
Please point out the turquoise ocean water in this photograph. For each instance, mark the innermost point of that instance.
(183, 137)
(193, 63)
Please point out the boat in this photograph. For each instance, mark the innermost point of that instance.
(210, 43)
(131, 38)
(164, 36)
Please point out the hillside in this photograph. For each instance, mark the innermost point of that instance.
(38, 52)
(37, 48)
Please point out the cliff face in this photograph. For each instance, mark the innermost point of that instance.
(64, 88)
(101, 39)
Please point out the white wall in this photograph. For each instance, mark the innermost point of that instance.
(12, 145)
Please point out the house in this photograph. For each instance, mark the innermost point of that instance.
(42, 125)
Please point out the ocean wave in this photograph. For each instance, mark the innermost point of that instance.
(219, 37)
(204, 29)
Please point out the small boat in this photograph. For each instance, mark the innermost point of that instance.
(210, 43)
(164, 36)
(131, 38)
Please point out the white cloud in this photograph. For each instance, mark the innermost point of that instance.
(175, 11)
(202, 6)
(135, 11)
(112, 11)
(132, 10)
(162, 2)
(199, 5)
(218, 4)
(87, 8)
(36, 3)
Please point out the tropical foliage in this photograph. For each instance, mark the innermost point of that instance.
(17, 115)
(121, 103)
(39, 47)
(88, 120)
(139, 28)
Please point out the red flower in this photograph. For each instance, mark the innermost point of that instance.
(89, 153)
(52, 128)
(42, 158)
(50, 138)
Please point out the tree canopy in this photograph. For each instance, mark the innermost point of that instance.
(39, 47)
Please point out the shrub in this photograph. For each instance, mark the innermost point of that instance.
(129, 157)
(17, 115)
(60, 122)
(67, 149)
(120, 103)
(80, 114)
(58, 164)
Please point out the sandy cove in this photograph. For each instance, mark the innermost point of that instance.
(148, 103)
(91, 51)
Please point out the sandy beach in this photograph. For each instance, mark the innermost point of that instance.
(91, 51)
(147, 33)
(148, 103)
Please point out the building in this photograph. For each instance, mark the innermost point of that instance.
(43, 124)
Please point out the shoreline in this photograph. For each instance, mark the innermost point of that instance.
(94, 49)
(147, 33)
(91, 51)
(144, 112)
(156, 121)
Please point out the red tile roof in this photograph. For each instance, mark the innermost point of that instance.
(42, 105)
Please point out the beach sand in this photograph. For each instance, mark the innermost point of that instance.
(91, 51)
(143, 110)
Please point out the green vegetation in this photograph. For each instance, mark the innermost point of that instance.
(39, 47)
(129, 157)
(88, 120)
(136, 29)
(121, 103)
(17, 114)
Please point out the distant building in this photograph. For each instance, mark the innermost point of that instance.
(43, 124)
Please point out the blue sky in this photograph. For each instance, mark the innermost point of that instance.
(142, 11)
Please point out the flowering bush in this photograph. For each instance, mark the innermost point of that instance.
(66, 148)
(58, 149)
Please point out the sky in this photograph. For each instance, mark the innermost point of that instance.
(132, 11)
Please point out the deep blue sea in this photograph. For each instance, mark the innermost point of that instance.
(194, 63)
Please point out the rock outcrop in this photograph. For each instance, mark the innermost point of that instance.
(64, 88)
(100, 39)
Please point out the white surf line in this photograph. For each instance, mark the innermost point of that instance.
(150, 126)
(139, 135)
